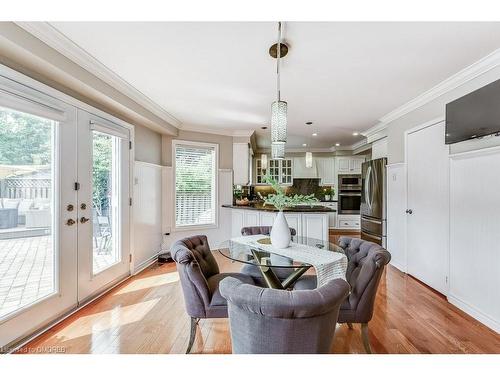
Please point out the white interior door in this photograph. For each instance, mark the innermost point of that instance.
(103, 204)
(38, 231)
(428, 200)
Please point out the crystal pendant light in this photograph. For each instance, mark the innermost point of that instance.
(309, 159)
(278, 110)
(278, 151)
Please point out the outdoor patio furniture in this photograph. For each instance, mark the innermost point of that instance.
(38, 218)
(8, 218)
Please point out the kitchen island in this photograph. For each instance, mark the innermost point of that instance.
(308, 221)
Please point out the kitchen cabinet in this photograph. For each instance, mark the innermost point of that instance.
(349, 222)
(280, 170)
(332, 216)
(315, 226)
(306, 224)
(326, 170)
(267, 218)
(349, 164)
(242, 161)
(251, 219)
(237, 222)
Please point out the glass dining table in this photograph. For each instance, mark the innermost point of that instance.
(258, 254)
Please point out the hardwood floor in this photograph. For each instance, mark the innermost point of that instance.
(146, 315)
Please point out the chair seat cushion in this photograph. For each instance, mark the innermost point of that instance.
(254, 271)
(306, 282)
(213, 286)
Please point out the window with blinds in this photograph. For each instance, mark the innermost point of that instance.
(195, 184)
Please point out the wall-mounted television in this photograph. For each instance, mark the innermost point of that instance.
(474, 115)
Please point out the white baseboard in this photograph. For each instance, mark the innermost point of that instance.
(475, 313)
(398, 266)
(145, 264)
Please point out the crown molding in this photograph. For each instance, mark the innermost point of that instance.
(465, 75)
(217, 131)
(65, 46)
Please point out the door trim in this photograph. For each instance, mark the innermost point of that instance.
(407, 133)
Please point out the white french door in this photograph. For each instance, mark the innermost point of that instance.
(103, 203)
(64, 208)
(38, 231)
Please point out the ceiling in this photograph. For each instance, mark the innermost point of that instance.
(341, 76)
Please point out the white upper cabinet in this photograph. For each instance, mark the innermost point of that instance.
(280, 170)
(349, 164)
(242, 160)
(326, 170)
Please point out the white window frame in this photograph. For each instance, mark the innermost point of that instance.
(214, 225)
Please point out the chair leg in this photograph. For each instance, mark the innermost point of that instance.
(194, 323)
(350, 325)
(366, 339)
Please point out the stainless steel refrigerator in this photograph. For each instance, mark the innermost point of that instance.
(373, 201)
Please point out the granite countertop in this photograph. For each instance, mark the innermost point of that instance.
(261, 207)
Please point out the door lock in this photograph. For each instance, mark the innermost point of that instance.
(70, 222)
(83, 220)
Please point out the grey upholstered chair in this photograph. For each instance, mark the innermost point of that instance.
(272, 321)
(254, 271)
(199, 276)
(366, 262)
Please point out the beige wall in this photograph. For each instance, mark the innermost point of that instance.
(225, 146)
(147, 145)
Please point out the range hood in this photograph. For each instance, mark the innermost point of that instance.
(300, 170)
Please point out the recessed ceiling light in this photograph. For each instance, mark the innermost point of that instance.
(309, 123)
(355, 133)
(304, 144)
(337, 144)
(314, 134)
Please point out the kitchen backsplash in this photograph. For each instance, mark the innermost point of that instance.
(304, 186)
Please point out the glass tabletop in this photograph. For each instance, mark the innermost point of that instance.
(255, 254)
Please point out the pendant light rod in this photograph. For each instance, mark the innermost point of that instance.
(278, 57)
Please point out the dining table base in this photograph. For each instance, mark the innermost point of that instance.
(272, 281)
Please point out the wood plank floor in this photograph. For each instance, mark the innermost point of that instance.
(146, 315)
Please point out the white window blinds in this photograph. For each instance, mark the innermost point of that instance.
(195, 186)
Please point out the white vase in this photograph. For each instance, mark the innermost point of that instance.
(280, 232)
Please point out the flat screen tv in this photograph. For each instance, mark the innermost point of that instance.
(474, 115)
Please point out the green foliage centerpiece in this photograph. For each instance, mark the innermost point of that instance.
(280, 232)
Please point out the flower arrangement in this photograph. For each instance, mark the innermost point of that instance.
(280, 200)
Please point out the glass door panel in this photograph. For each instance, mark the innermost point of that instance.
(27, 245)
(38, 234)
(105, 201)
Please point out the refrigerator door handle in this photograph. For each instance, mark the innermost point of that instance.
(367, 186)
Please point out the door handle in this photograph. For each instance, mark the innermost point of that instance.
(70, 222)
(83, 220)
(409, 211)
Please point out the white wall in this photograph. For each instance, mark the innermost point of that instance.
(475, 235)
(147, 209)
(379, 149)
(396, 216)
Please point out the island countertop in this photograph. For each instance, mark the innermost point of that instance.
(261, 207)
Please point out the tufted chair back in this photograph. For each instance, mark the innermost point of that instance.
(272, 321)
(195, 264)
(265, 230)
(366, 262)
